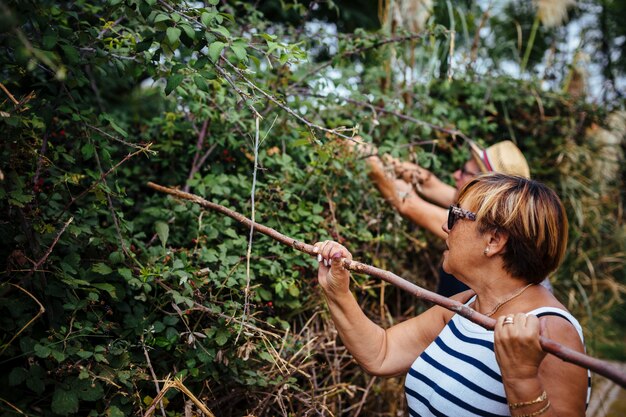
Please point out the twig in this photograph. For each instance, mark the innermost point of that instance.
(132, 145)
(451, 55)
(569, 355)
(49, 251)
(311, 125)
(243, 95)
(104, 175)
(358, 51)
(195, 166)
(42, 152)
(154, 377)
(8, 93)
(177, 383)
(474, 50)
(451, 132)
(116, 222)
(362, 402)
(246, 305)
(41, 311)
(13, 407)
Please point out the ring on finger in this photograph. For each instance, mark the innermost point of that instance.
(508, 320)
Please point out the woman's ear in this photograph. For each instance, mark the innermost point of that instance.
(496, 240)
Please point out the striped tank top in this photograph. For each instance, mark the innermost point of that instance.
(458, 375)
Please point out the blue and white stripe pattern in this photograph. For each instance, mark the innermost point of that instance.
(457, 374)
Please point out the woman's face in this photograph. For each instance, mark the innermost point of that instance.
(465, 245)
(466, 173)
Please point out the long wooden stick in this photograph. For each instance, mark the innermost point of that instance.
(569, 355)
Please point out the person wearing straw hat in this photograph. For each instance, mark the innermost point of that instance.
(504, 235)
(423, 199)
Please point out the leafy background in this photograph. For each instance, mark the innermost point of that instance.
(112, 293)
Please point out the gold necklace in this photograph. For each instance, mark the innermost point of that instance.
(515, 295)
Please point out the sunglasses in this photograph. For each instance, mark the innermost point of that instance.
(465, 171)
(455, 213)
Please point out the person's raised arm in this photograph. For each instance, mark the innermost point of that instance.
(406, 201)
(424, 181)
(378, 351)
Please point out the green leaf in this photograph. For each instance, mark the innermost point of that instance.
(17, 376)
(126, 273)
(222, 31)
(163, 231)
(207, 18)
(173, 34)
(101, 268)
(105, 287)
(50, 39)
(240, 51)
(222, 337)
(87, 150)
(114, 125)
(58, 356)
(214, 2)
(215, 49)
(113, 411)
(188, 30)
(161, 17)
(87, 390)
(17, 198)
(64, 402)
(173, 81)
(201, 83)
(42, 351)
(71, 54)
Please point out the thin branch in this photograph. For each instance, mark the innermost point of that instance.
(8, 93)
(116, 222)
(197, 162)
(359, 51)
(246, 306)
(49, 251)
(177, 383)
(569, 355)
(42, 152)
(41, 311)
(475, 44)
(451, 132)
(243, 95)
(273, 99)
(104, 175)
(132, 145)
(154, 377)
(13, 407)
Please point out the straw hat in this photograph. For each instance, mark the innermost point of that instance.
(502, 157)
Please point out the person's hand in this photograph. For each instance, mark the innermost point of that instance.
(331, 274)
(361, 148)
(517, 347)
(408, 171)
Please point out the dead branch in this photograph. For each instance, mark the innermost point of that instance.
(49, 251)
(569, 355)
(311, 125)
(144, 149)
(178, 384)
(452, 132)
(39, 313)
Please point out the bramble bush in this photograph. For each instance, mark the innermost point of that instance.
(111, 291)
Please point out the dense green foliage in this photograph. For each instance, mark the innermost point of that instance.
(108, 286)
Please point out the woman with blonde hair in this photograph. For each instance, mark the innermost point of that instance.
(504, 236)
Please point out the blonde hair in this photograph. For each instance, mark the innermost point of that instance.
(529, 212)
